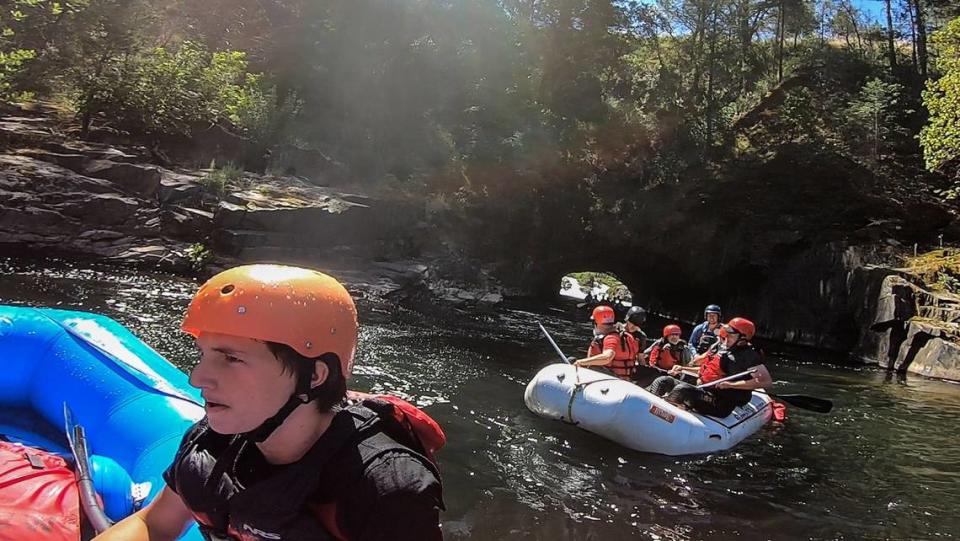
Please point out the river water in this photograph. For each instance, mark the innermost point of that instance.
(883, 465)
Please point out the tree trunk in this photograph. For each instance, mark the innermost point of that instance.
(89, 108)
(891, 50)
(913, 35)
(856, 32)
(743, 33)
(823, 24)
(876, 135)
(921, 38)
(781, 27)
(711, 74)
(698, 40)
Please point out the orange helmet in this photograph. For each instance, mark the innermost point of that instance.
(744, 327)
(604, 315)
(302, 308)
(671, 329)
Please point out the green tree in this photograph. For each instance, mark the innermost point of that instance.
(18, 45)
(11, 64)
(875, 112)
(940, 138)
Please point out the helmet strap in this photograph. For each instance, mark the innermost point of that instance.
(262, 432)
(303, 395)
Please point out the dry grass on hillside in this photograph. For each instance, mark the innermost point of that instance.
(939, 269)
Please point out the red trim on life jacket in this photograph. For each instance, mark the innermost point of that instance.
(420, 425)
(710, 369)
(326, 513)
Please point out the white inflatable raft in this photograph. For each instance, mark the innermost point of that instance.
(629, 415)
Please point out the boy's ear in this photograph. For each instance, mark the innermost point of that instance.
(320, 374)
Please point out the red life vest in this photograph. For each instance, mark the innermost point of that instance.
(625, 354)
(710, 369)
(664, 358)
(39, 497)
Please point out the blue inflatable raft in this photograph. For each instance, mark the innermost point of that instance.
(133, 404)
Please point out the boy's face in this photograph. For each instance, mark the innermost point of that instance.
(730, 338)
(241, 381)
(713, 319)
(673, 338)
(605, 328)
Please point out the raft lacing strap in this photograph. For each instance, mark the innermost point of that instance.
(577, 388)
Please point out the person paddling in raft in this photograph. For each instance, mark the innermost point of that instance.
(669, 351)
(615, 349)
(737, 355)
(281, 452)
(704, 335)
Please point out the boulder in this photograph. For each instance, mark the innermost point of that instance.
(101, 209)
(938, 358)
(30, 219)
(897, 301)
(187, 223)
(30, 175)
(73, 161)
(178, 188)
(134, 179)
(930, 349)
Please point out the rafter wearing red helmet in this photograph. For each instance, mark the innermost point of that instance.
(611, 347)
(736, 355)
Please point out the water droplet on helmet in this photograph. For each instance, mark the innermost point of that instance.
(333, 330)
(241, 309)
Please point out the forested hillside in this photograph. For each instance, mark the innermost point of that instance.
(476, 97)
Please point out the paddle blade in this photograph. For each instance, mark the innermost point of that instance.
(811, 403)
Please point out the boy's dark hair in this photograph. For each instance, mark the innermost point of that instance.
(331, 392)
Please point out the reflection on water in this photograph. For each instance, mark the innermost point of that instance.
(882, 465)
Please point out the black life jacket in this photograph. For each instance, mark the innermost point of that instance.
(277, 507)
(707, 339)
(641, 338)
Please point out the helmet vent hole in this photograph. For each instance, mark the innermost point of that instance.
(227, 289)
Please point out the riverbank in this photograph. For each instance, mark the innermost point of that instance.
(112, 202)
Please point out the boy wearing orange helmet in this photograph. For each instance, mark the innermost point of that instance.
(737, 355)
(610, 347)
(670, 350)
(280, 454)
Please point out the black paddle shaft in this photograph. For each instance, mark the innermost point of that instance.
(812, 403)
